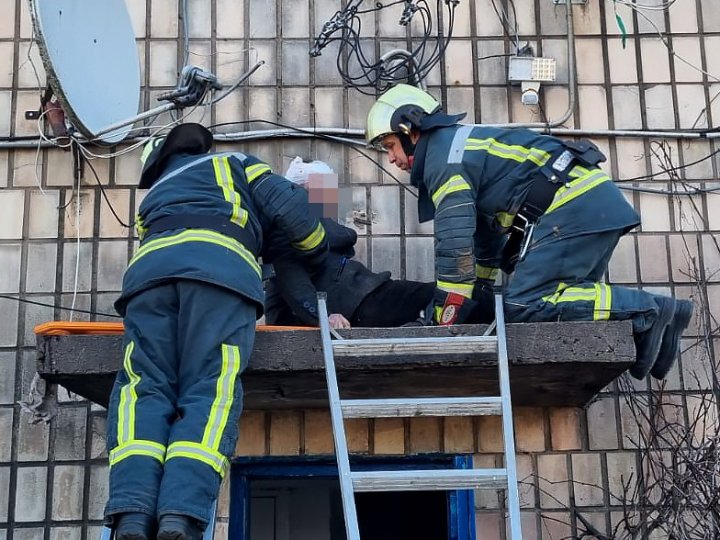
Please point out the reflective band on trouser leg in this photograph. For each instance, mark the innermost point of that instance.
(128, 400)
(599, 294)
(224, 179)
(223, 397)
(603, 302)
(198, 452)
(207, 451)
(137, 447)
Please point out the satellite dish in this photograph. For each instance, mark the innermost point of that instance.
(90, 57)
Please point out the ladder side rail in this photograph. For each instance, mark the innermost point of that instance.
(210, 529)
(341, 452)
(507, 422)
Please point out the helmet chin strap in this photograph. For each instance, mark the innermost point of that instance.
(407, 145)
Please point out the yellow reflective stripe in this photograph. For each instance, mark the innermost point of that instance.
(128, 399)
(253, 171)
(224, 392)
(577, 187)
(141, 229)
(198, 452)
(485, 272)
(451, 185)
(466, 289)
(505, 219)
(603, 302)
(599, 293)
(572, 294)
(578, 171)
(137, 447)
(223, 177)
(312, 240)
(197, 235)
(506, 151)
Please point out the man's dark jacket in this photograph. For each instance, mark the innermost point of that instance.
(346, 282)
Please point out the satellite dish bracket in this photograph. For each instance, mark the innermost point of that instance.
(193, 85)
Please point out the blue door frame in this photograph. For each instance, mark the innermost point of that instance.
(461, 505)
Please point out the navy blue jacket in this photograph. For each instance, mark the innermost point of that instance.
(295, 285)
(234, 186)
(472, 180)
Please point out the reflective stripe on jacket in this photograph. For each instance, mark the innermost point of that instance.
(230, 185)
(472, 180)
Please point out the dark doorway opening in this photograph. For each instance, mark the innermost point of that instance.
(299, 499)
(402, 516)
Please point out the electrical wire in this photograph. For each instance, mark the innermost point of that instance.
(45, 304)
(647, 7)
(672, 169)
(663, 37)
(77, 251)
(354, 63)
(325, 137)
(505, 23)
(185, 31)
(107, 200)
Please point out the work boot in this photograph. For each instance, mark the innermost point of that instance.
(135, 526)
(179, 527)
(670, 348)
(647, 344)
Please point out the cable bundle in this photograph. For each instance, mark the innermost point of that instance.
(354, 62)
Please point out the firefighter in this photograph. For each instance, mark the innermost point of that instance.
(356, 296)
(486, 186)
(190, 298)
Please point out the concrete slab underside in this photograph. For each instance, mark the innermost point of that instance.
(551, 364)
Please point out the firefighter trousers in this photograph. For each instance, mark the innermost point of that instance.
(560, 280)
(174, 408)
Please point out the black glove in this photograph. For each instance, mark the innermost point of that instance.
(451, 308)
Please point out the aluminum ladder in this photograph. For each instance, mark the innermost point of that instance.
(108, 534)
(418, 480)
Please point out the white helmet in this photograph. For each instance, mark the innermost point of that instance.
(399, 110)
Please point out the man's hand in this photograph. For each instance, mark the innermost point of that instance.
(338, 321)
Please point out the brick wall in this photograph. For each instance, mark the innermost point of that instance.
(53, 476)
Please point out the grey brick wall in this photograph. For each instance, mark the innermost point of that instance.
(62, 246)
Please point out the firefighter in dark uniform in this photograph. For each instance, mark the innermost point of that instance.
(190, 298)
(480, 184)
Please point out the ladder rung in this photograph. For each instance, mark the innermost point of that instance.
(429, 480)
(378, 408)
(434, 345)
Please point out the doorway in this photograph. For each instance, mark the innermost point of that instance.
(299, 499)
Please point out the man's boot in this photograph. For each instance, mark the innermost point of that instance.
(134, 526)
(179, 527)
(670, 348)
(647, 344)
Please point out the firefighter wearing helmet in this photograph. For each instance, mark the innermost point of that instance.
(527, 203)
(190, 298)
